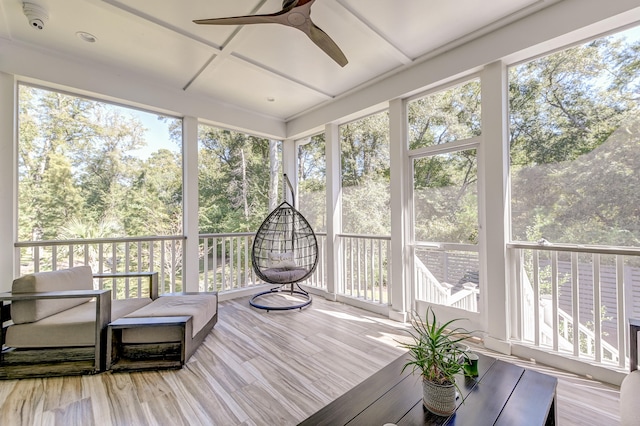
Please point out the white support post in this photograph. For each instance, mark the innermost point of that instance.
(191, 259)
(493, 177)
(8, 174)
(334, 209)
(400, 279)
(289, 167)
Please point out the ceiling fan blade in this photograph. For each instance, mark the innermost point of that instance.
(242, 20)
(324, 42)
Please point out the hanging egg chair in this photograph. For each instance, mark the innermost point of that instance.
(285, 252)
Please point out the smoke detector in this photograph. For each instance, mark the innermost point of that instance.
(36, 15)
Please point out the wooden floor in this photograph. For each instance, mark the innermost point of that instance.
(257, 368)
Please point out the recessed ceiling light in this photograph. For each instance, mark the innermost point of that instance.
(84, 36)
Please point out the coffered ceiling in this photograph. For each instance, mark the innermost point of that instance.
(267, 69)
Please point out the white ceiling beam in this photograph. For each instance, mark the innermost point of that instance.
(221, 53)
(376, 33)
(92, 79)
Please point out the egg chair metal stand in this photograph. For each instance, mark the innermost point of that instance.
(284, 253)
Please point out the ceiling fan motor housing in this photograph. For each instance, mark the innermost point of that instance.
(296, 19)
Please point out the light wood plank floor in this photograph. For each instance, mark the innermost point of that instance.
(257, 368)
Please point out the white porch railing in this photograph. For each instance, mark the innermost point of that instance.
(429, 289)
(565, 322)
(456, 262)
(161, 254)
(597, 288)
(366, 267)
(225, 261)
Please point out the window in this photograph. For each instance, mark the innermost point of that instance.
(574, 139)
(366, 176)
(366, 210)
(240, 180)
(312, 182)
(574, 145)
(442, 127)
(445, 116)
(91, 169)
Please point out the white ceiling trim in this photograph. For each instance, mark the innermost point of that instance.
(123, 7)
(224, 52)
(260, 67)
(367, 25)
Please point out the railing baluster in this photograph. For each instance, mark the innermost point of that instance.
(223, 261)
(247, 271)
(238, 263)
(152, 248)
(127, 267)
(359, 266)
(205, 263)
(575, 290)
(536, 298)
(388, 277)
(597, 306)
(101, 258)
(163, 248)
(554, 298)
(380, 279)
(139, 292)
(114, 268)
(518, 320)
(230, 261)
(173, 267)
(622, 320)
(214, 245)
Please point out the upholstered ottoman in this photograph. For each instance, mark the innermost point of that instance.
(162, 334)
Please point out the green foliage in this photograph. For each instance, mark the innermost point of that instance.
(235, 180)
(366, 175)
(77, 171)
(445, 185)
(574, 159)
(434, 352)
(365, 149)
(446, 116)
(574, 145)
(312, 182)
(445, 198)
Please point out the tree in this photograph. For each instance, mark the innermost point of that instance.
(445, 195)
(236, 180)
(75, 166)
(574, 139)
(366, 175)
(312, 182)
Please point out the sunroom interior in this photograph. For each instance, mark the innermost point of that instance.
(521, 291)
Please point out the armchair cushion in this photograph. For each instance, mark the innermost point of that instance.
(27, 311)
(74, 327)
(201, 307)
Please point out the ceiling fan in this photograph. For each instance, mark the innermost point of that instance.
(294, 13)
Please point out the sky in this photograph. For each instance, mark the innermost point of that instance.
(156, 136)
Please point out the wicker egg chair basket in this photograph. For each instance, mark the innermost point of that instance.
(284, 253)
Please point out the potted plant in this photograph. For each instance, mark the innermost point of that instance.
(435, 353)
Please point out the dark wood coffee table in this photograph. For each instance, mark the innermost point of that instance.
(502, 394)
